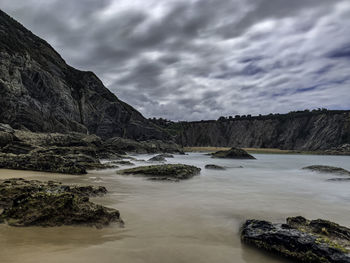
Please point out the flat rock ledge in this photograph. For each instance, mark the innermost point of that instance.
(233, 153)
(165, 172)
(315, 241)
(327, 169)
(48, 204)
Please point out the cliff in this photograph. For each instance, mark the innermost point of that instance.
(304, 131)
(40, 92)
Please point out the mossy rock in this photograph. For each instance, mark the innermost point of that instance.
(233, 153)
(315, 241)
(327, 169)
(172, 172)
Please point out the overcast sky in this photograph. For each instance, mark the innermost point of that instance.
(200, 59)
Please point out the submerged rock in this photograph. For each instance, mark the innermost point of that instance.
(214, 167)
(157, 158)
(327, 169)
(233, 153)
(35, 203)
(170, 172)
(300, 239)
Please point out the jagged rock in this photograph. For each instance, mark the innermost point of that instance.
(157, 158)
(233, 153)
(214, 167)
(35, 203)
(327, 169)
(300, 239)
(167, 155)
(170, 172)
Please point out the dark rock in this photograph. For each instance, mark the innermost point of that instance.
(327, 169)
(339, 180)
(122, 162)
(171, 172)
(118, 144)
(167, 155)
(300, 239)
(233, 153)
(41, 162)
(157, 158)
(214, 167)
(35, 203)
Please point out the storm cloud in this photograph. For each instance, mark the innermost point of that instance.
(201, 59)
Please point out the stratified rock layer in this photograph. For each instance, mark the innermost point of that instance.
(316, 241)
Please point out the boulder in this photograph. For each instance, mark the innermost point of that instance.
(327, 169)
(233, 153)
(157, 158)
(169, 172)
(35, 203)
(214, 167)
(300, 239)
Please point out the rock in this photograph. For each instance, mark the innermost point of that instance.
(167, 155)
(233, 153)
(327, 169)
(214, 167)
(300, 239)
(170, 172)
(41, 162)
(339, 180)
(35, 203)
(157, 158)
(151, 146)
(122, 162)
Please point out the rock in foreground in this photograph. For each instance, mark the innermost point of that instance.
(300, 239)
(233, 153)
(166, 172)
(327, 169)
(35, 203)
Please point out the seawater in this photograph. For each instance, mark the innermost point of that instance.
(196, 220)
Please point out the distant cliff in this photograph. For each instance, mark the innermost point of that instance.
(317, 130)
(40, 92)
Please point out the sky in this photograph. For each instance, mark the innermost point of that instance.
(202, 59)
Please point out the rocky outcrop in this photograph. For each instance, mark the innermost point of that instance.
(40, 92)
(300, 239)
(151, 146)
(35, 203)
(233, 153)
(305, 131)
(327, 169)
(165, 172)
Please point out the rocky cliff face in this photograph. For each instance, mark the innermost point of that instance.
(307, 132)
(40, 92)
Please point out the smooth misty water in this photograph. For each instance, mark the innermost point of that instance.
(196, 220)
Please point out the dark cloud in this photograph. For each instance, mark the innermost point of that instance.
(200, 59)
